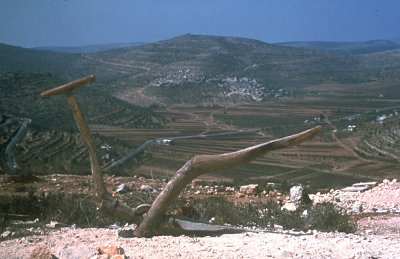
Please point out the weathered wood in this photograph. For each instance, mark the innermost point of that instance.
(87, 139)
(67, 89)
(149, 217)
(68, 86)
(109, 205)
(202, 164)
(121, 211)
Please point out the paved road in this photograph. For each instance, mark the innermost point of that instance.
(166, 141)
(7, 149)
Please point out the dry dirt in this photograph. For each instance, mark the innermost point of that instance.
(378, 236)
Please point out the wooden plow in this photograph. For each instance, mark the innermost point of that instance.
(151, 219)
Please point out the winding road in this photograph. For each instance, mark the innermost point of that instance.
(167, 141)
(7, 149)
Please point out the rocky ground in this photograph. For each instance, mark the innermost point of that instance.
(378, 234)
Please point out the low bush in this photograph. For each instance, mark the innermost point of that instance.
(325, 217)
(65, 208)
(322, 217)
(80, 210)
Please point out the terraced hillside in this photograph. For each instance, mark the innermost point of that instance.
(201, 69)
(195, 68)
(52, 144)
(345, 48)
(192, 87)
(381, 139)
(333, 159)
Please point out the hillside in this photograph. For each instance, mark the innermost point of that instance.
(188, 68)
(62, 65)
(13, 59)
(345, 48)
(88, 48)
(383, 65)
(171, 100)
(198, 68)
(52, 142)
(192, 85)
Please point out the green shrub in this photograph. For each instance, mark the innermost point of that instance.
(325, 217)
(322, 217)
(65, 208)
(80, 209)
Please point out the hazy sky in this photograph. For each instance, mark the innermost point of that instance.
(32, 23)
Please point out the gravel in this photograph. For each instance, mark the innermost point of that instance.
(378, 236)
(245, 245)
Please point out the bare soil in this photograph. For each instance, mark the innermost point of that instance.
(246, 245)
(378, 234)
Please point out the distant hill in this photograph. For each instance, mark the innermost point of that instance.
(22, 59)
(62, 65)
(345, 48)
(186, 69)
(201, 68)
(194, 68)
(397, 40)
(89, 48)
(384, 65)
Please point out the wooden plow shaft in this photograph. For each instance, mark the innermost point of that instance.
(149, 218)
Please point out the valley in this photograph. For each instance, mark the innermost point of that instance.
(204, 87)
(336, 158)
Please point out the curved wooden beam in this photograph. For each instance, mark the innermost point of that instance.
(68, 86)
(202, 164)
(148, 223)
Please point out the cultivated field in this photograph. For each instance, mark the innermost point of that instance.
(336, 158)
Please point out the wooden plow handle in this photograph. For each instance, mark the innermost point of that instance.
(149, 217)
(68, 87)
